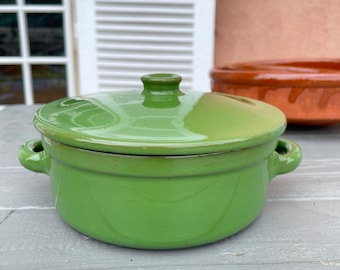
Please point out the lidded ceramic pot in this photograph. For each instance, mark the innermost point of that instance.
(159, 168)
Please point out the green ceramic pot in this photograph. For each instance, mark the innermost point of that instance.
(159, 168)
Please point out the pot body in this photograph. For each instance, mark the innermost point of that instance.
(159, 202)
(307, 91)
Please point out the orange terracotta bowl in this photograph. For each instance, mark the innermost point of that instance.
(306, 90)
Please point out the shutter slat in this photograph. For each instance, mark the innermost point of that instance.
(132, 47)
(119, 74)
(108, 26)
(110, 35)
(146, 20)
(144, 10)
(140, 57)
(160, 67)
(146, 39)
(148, 3)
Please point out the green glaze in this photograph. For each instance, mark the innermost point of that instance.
(159, 168)
(159, 202)
(160, 120)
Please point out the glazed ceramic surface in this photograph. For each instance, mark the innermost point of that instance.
(306, 90)
(160, 120)
(159, 202)
(111, 186)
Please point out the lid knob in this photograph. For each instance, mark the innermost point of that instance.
(161, 90)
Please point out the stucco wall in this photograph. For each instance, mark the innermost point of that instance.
(274, 29)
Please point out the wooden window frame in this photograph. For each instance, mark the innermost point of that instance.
(25, 60)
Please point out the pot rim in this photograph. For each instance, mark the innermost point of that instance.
(300, 72)
(184, 148)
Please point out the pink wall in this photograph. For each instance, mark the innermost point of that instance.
(249, 30)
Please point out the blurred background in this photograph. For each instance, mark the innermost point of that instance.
(50, 49)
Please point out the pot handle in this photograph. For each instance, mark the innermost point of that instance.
(33, 156)
(286, 157)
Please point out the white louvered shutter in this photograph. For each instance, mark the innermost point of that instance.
(119, 41)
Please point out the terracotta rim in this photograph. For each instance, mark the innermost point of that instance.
(293, 72)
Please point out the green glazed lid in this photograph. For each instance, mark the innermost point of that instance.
(160, 120)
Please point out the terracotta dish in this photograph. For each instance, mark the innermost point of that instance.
(306, 90)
